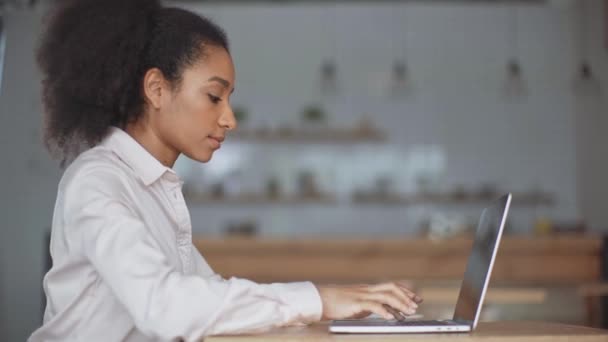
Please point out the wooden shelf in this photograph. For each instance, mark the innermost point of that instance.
(257, 199)
(521, 199)
(389, 200)
(311, 136)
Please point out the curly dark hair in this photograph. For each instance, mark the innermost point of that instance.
(94, 55)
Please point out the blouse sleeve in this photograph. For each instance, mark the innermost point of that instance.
(163, 302)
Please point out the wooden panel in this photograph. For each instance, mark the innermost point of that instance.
(547, 268)
(529, 246)
(520, 260)
(593, 290)
(494, 296)
(322, 268)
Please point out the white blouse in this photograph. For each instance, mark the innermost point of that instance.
(124, 266)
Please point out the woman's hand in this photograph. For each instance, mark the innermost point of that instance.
(358, 301)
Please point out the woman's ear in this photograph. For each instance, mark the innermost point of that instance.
(153, 87)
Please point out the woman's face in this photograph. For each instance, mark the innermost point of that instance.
(194, 119)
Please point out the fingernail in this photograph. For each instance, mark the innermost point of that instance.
(411, 311)
(414, 305)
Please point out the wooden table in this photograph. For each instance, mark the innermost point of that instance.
(510, 331)
(592, 294)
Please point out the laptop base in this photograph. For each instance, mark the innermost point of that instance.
(378, 326)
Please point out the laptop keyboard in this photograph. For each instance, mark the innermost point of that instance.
(419, 323)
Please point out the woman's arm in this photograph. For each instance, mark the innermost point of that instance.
(163, 302)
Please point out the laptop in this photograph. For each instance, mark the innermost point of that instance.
(472, 291)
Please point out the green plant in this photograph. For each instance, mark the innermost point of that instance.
(313, 113)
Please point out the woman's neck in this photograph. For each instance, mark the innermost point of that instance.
(152, 142)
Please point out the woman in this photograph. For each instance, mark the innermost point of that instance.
(140, 84)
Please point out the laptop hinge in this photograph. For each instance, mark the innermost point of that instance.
(460, 321)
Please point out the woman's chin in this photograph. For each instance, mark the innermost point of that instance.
(203, 157)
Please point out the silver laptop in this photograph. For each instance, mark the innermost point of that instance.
(472, 290)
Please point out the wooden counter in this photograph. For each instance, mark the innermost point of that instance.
(508, 331)
(555, 260)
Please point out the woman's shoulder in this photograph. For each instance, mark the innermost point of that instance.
(96, 165)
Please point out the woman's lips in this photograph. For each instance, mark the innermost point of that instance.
(216, 142)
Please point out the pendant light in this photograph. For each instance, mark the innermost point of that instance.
(515, 85)
(399, 70)
(585, 81)
(328, 68)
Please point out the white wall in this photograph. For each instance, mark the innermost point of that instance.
(456, 56)
(592, 126)
(29, 181)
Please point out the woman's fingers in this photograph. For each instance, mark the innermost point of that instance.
(404, 286)
(390, 299)
(396, 313)
(360, 315)
(410, 293)
(376, 308)
(404, 295)
(359, 300)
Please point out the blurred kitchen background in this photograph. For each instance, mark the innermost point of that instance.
(372, 134)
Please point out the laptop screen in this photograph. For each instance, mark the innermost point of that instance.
(481, 259)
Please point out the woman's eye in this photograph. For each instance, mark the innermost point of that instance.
(214, 99)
